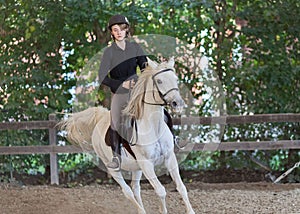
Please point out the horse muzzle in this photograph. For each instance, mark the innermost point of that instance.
(177, 105)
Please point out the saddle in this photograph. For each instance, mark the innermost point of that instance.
(122, 142)
(125, 143)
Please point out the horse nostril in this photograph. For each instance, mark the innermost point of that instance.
(174, 104)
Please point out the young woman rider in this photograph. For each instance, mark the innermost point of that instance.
(118, 71)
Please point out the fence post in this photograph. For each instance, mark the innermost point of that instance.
(53, 156)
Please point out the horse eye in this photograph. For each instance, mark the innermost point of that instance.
(159, 81)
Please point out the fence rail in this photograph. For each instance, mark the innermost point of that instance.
(53, 148)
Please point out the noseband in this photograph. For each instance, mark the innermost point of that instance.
(162, 96)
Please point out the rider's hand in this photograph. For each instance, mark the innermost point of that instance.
(129, 84)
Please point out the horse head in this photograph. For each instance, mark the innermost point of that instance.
(157, 86)
(166, 82)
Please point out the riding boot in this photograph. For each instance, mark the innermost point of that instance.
(169, 122)
(115, 164)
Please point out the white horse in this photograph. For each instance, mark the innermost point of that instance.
(152, 141)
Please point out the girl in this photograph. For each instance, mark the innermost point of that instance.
(118, 71)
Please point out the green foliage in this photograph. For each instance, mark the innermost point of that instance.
(270, 69)
(32, 81)
(74, 164)
(23, 164)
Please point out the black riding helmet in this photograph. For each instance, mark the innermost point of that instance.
(117, 19)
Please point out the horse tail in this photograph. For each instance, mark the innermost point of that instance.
(79, 126)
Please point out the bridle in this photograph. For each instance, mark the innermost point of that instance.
(162, 95)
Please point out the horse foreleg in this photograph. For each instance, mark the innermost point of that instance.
(172, 166)
(136, 187)
(127, 190)
(148, 170)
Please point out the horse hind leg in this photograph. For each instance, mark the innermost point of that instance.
(127, 191)
(172, 165)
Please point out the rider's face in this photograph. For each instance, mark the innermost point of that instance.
(118, 32)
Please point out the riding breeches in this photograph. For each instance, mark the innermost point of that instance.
(118, 103)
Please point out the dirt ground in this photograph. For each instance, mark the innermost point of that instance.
(92, 192)
(104, 199)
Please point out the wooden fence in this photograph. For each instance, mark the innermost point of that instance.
(53, 148)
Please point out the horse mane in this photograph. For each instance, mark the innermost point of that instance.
(134, 108)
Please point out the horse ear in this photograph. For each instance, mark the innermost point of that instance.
(171, 62)
(151, 63)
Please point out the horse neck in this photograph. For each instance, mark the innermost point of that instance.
(151, 110)
(151, 121)
(153, 104)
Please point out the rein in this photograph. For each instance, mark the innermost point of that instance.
(162, 96)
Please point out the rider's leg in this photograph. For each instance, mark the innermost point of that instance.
(116, 148)
(169, 123)
(117, 105)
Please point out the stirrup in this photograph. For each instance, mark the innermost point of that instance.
(115, 164)
(177, 141)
